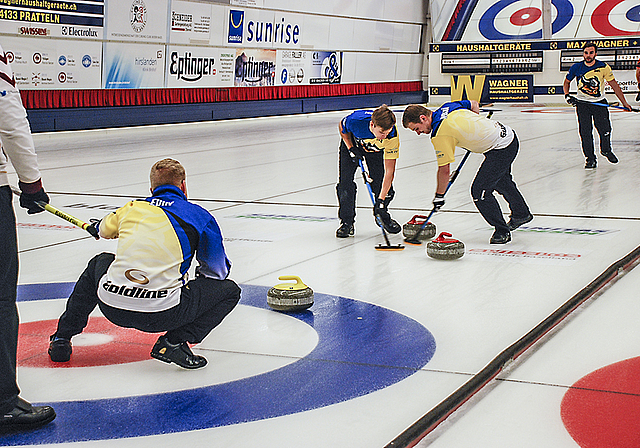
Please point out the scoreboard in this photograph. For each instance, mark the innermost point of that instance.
(520, 71)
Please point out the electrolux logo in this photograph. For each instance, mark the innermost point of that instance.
(236, 25)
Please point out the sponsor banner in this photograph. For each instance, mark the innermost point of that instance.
(34, 226)
(83, 19)
(508, 88)
(190, 22)
(326, 67)
(265, 29)
(293, 67)
(199, 67)
(306, 218)
(258, 3)
(531, 256)
(444, 47)
(137, 20)
(566, 230)
(54, 64)
(254, 67)
(133, 66)
(626, 80)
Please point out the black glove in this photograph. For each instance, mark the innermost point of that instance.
(355, 154)
(380, 209)
(94, 228)
(31, 195)
(571, 100)
(438, 202)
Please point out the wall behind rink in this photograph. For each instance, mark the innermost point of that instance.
(134, 40)
(69, 48)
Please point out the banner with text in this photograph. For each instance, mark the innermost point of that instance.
(82, 19)
(190, 22)
(133, 66)
(199, 67)
(254, 67)
(137, 20)
(51, 64)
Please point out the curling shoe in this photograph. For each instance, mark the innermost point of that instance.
(611, 157)
(391, 225)
(59, 349)
(500, 237)
(180, 354)
(590, 165)
(24, 416)
(345, 230)
(514, 223)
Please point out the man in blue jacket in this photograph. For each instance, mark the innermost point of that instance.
(144, 285)
(372, 136)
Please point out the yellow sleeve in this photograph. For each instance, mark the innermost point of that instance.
(445, 147)
(109, 226)
(608, 73)
(392, 148)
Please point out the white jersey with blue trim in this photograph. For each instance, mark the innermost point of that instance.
(157, 241)
(454, 124)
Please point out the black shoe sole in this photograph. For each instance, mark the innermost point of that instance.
(169, 360)
(10, 428)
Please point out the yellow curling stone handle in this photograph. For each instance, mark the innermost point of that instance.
(291, 286)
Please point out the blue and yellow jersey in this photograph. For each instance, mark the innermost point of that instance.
(454, 124)
(157, 240)
(590, 80)
(357, 124)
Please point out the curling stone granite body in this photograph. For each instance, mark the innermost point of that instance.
(412, 227)
(445, 248)
(290, 296)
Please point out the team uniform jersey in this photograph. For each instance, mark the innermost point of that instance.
(357, 124)
(158, 238)
(454, 124)
(590, 80)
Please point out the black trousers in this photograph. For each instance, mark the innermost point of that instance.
(494, 174)
(346, 188)
(8, 312)
(204, 303)
(588, 116)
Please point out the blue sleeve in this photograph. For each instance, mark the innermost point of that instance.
(347, 123)
(571, 73)
(211, 255)
(465, 103)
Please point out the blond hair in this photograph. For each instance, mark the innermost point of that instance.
(167, 172)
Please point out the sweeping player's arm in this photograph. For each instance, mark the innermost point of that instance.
(618, 91)
(347, 138)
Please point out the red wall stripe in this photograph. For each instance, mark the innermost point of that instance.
(57, 99)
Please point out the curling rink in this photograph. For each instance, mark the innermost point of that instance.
(391, 333)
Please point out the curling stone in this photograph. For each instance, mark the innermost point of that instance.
(411, 228)
(290, 296)
(445, 248)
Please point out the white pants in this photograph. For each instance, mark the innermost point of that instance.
(15, 135)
